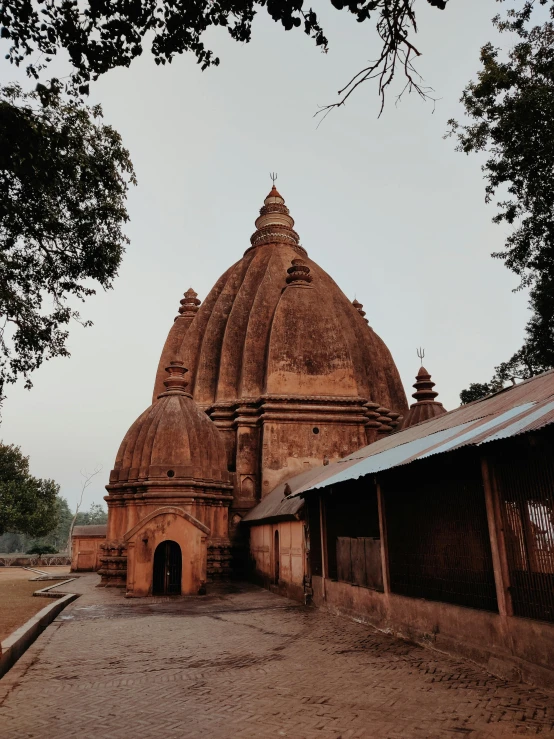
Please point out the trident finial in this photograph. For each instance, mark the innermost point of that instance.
(420, 353)
(273, 176)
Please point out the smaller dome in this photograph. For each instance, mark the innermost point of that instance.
(426, 406)
(173, 440)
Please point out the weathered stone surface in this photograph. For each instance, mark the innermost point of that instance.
(426, 405)
(170, 483)
(166, 523)
(284, 374)
(284, 363)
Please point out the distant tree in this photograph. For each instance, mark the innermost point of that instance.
(13, 542)
(95, 515)
(41, 549)
(63, 183)
(476, 391)
(57, 538)
(511, 107)
(27, 504)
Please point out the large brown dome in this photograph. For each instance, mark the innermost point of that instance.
(249, 330)
(283, 362)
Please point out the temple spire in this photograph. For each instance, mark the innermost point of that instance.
(424, 387)
(426, 406)
(275, 224)
(189, 304)
(176, 384)
(299, 274)
(360, 308)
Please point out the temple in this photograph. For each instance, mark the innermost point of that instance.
(283, 374)
(279, 448)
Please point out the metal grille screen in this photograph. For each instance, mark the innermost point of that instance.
(526, 490)
(439, 546)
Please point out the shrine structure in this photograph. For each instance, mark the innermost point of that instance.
(284, 374)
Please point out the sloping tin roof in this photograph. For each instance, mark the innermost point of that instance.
(91, 530)
(276, 506)
(518, 409)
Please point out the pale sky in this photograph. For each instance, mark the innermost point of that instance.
(386, 206)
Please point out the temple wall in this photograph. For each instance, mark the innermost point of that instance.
(145, 538)
(282, 567)
(290, 448)
(247, 491)
(117, 519)
(124, 515)
(122, 518)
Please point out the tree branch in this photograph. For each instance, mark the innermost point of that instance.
(86, 483)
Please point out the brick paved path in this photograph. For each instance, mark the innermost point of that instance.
(246, 663)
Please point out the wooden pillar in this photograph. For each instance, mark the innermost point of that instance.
(323, 535)
(383, 537)
(498, 544)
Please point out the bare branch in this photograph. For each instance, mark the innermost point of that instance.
(88, 477)
(396, 22)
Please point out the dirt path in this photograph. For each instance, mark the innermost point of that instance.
(17, 604)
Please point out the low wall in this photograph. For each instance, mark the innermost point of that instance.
(20, 640)
(33, 560)
(510, 647)
(284, 588)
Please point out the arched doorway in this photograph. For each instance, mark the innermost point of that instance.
(276, 558)
(167, 569)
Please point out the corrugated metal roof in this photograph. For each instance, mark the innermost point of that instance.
(541, 415)
(366, 465)
(514, 410)
(90, 530)
(276, 505)
(479, 429)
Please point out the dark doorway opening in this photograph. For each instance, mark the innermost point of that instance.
(276, 557)
(167, 569)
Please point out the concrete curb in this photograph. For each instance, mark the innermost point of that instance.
(21, 639)
(48, 591)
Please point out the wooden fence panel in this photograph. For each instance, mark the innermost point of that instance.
(357, 550)
(359, 562)
(344, 559)
(374, 570)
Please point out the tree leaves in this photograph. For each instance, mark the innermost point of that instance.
(476, 391)
(64, 177)
(27, 504)
(57, 537)
(511, 109)
(99, 35)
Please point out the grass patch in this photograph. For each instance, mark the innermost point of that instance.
(17, 604)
